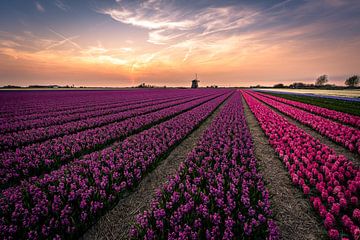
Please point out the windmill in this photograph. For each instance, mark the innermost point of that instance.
(195, 82)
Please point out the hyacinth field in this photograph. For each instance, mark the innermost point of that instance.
(69, 159)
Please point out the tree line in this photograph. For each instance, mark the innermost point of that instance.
(321, 81)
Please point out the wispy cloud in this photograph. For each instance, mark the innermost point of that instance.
(61, 5)
(175, 37)
(167, 22)
(39, 7)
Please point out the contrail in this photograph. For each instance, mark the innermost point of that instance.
(65, 39)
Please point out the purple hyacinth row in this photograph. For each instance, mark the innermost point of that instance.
(330, 181)
(18, 103)
(42, 122)
(66, 201)
(17, 139)
(217, 193)
(37, 158)
(35, 102)
(78, 113)
(342, 134)
(328, 113)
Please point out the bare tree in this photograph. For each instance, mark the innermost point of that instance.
(320, 81)
(352, 81)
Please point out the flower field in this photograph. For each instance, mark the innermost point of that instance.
(68, 157)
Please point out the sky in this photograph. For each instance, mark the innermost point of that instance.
(165, 42)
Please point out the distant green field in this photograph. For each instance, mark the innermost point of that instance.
(338, 105)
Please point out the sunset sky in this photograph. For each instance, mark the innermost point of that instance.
(228, 43)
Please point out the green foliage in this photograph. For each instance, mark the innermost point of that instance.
(321, 80)
(352, 81)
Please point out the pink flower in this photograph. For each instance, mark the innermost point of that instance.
(329, 221)
(343, 202)
(335, 209)
(333, 234)
(306, 189)
(356, 214)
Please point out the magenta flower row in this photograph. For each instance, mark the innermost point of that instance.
(217, 193)
(331, 182)
(35, 159)
(21, 103)
(339, 133)
(43, 122)
(17, 139)
(101, 106)
(325, 112)
(64, 202)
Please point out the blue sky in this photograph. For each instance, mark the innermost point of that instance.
(230, 43)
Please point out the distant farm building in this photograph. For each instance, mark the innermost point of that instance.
(195, 82)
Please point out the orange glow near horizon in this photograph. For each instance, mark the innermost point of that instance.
(227, 52)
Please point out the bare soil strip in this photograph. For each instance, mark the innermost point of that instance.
(292, 212)
(116, 223)
(339, 149)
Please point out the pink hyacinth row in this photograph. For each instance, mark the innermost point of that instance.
(65, 201)
(37, 158)
(347, 136)
(325, 112)
(217, 193)
(17, 139)
(331, 182)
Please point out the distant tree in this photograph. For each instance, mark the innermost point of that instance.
(321, 80)
(352, 81)
(279, 85)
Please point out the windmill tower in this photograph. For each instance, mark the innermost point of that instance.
(195, 82)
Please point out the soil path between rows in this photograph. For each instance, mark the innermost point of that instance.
(116, 223)
(339, 149)
(292, 212)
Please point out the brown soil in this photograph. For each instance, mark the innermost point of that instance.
(116, 223)
(292, 212)
(339, 149)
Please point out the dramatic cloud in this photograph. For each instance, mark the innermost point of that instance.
(165, 42)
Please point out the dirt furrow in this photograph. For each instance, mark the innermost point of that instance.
(116, 223)
(292, 212)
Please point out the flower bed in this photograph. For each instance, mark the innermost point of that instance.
(328, 113)
(347, 136)
(66, 201)
(87, 114)
(329, 181)
(217, 193)
(16, 139)
(37, 158)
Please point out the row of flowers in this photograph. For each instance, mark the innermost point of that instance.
(44, 121)
(339, 133)
(80, 107)
(217, 192)
(28, 103)
(330, 181)
(325, 112)
(21, 138)
(41, 157)
(20, 104)
(66, 201)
